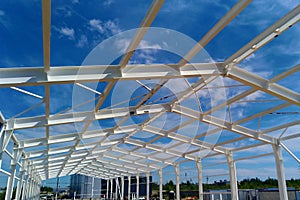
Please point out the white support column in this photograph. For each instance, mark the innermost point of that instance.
(129, 187)
(160, 184)
(107, 188)
(116, 188)
(1, 143)
(11, 179)
(176, 167)
(280, 172)
(4, 140)
(21, 178)
(233, 179)
(39, 191)
(122, 188)
(137, 186)
(31, 186)
(34, 190)
(25, 187)
(92, 196)
(28, 188)
(148, 186)
(200, 187)
(111, 188)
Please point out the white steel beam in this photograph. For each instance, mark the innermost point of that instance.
(262, 113)
(269, 34)
(183, 138)
(218, 27)
(290, 152)
(141, 31)
(223, 124)
(67, 118)
(264, 85)
(284, 125)
(28, 76)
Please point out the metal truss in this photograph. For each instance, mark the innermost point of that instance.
(108, 158)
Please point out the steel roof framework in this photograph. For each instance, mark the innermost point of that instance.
(106, 158)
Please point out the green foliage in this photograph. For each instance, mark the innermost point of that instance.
(253, 183)
(294, 183)
(2, 195)
(46, 189)
(169, 186)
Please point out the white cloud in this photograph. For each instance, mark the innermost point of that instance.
(68, 32)
(112, 26)
(2, 13)
(146, 45)
(108, 2)
(75, 1)
(146, 55)
(96, 24)
(82, 41)
(109, 27)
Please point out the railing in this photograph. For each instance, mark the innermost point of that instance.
(216, 195)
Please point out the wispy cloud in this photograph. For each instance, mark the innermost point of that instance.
(146, 53)
(67, 32)
(107, 27)
(108, 2)
(2, 13)
(82, 41)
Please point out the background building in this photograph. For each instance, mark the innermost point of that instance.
(88, 187)
(85, 186)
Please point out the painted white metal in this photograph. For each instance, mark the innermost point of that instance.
(264, 85)
(200, 187)
(129, 187)
(290, 152)
(137, 186)
(116, 188)
(269, 34)
(218, 27)
(122, 188)
(20, 184)
(107, 188)
(233, 179)
(176, 168)
(111, 188)
(147, 21)
(13, 77)
(280, 172)
(11, 179)
(148, 186)
(160, 184)
(87, 159)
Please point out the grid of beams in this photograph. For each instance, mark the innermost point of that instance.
(105, 157)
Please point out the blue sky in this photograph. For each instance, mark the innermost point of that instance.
(77, 27)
